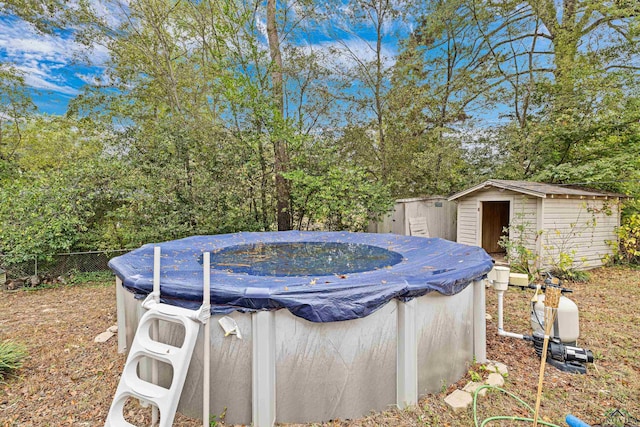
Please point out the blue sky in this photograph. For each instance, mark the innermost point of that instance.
(56, 68)
(50, 64)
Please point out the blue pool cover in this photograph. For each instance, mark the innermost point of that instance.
(319, 276)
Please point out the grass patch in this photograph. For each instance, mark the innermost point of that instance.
(12, 355)
(91, 277)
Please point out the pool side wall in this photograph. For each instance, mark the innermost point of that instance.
(322, 371)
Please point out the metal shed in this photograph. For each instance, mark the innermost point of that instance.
(550, 220)
(439, 215)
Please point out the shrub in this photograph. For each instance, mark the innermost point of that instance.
(564, 269)
(12, 355)
(514, 241)
(628, 250)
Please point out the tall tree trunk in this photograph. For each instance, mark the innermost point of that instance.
(263, 185)
(565, 31)
(281, 157)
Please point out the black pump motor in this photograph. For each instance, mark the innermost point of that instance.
(564, 357)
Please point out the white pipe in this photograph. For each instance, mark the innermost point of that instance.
(501, 330)
(206, 300)
(500, 309)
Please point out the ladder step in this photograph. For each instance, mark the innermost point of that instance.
(156, 347)
(145, 390)
(143, 335)
(172, 310)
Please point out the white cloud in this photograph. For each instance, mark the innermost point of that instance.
(20, 45)
(113, 12)
(39, 80)
(343, 55)
(41, 58)
(94, 79)
(97, 55)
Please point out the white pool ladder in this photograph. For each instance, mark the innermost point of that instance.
(146, 347)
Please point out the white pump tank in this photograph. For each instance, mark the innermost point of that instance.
(567, 320)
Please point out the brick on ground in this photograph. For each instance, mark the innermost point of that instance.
(459, 400)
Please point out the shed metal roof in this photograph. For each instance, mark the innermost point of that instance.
(420, 199)
(538, 189)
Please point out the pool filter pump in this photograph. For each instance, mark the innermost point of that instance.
(562, 351)
(566, 325)
(564, 357)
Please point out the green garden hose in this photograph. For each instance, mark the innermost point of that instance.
(503, 417)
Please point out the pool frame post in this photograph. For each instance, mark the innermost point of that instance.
(120, 317)
(407, 354)
(206, 351)
(479, 321)
(263, 373)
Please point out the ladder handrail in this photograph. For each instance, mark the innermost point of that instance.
(131, 385)
(155, 328)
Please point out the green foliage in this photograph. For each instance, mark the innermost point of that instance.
(475, 376)
(54, 143)
(627, 250)
(520, 240)
(12, 356)
(185, 135)
(60, 191)
(176, 182)
(15, 107)
(217, 420)
(337, 199)
(91, 277)
(564, 268)
(40, 216)
(427, 151)
(573, 106)
(517, 240)
(571, 274)
(205, 139)
(596, 147)
(560, 244)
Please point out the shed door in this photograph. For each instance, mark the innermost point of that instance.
(495, 218)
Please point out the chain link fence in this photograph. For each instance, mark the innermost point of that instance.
(62, 264)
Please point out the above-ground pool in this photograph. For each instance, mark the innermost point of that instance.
(334, 325)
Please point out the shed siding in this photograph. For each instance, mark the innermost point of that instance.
(467, 221)
(523, 211)
(524, 219)
(550, 225)
(439, 212)
(440, 215)
(578, 225)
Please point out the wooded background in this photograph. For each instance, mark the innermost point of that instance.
(220, 116)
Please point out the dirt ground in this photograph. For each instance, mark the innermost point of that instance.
(68, 380)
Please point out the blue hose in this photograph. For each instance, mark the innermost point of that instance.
(575, 422)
